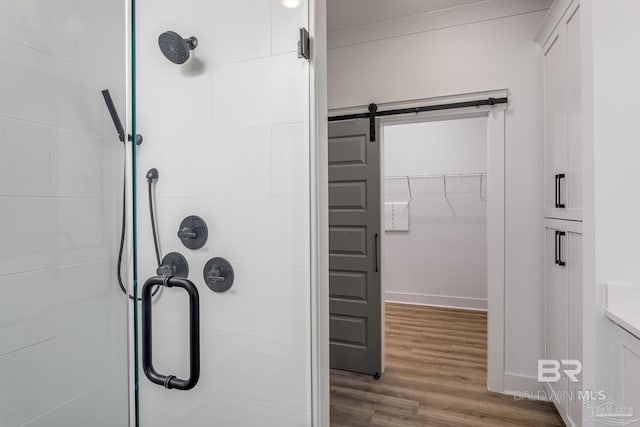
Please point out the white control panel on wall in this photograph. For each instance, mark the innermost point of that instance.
(396, 216)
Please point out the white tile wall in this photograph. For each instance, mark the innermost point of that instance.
(63, 332)
(286, 23)
(260, 92)
(84, 295)
(289, 160)
(82, 35)
(271, 231)
(83, 165)
(241, 364)
(179, 106)
(101, 407)
(206, 405)
(43, 89)
(229, 134)
(25, 169)
(242, 96)
(87, 230)
(28, 233)
(231, 31)
(27, 317)
(243, 308)
(27, 23)
(41, 378)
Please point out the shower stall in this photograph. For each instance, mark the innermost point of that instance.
(155, 206)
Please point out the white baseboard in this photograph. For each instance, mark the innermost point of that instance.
(436, 300)
(524, 386)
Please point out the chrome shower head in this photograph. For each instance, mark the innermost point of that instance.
(176, 48)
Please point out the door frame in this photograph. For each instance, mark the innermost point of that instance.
(495, 217)
(319, 216)
(495, 232)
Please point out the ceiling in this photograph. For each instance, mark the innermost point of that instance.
(343, 14)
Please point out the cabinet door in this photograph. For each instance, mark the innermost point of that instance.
(573, 182)
(630, 367)
(555, 107)
(556, 319)
(573, 257)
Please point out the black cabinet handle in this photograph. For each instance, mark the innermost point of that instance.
(559, 236)
(556, 246)
(171, 381)
(559, 203)
(375, 250)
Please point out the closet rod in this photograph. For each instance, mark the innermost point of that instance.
(465, 104)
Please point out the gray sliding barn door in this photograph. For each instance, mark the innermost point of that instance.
(354, 248)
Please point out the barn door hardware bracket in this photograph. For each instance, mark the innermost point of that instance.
(373, 109)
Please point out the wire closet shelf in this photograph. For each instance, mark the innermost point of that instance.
(482, 176)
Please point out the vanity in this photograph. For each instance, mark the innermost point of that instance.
(622, 308)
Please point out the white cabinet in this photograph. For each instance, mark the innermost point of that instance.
(621, 358)
(563, 194)
(556, 319)
(574, 266)
(562, 114)
(629, 370)
(563, 313)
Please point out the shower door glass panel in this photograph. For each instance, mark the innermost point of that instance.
(228, 132)
(63, 318)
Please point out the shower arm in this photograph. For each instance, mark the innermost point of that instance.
(116, 118)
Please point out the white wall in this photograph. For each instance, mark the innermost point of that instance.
(229, 134)
(63, 335)
(611, 35)
(442, 259)
(436, 147)
(483, 54)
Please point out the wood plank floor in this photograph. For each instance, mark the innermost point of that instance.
(435, 376)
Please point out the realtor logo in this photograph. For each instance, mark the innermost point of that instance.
(550, 371)
(610, 412)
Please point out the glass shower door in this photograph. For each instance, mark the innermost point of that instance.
(222, 102)
(63, 318)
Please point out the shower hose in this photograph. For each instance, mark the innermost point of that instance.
(123, 233)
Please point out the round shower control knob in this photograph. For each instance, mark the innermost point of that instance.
(218, 274)
(174, 264)
(193, 232)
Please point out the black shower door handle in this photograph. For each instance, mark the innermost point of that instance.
(171, 381)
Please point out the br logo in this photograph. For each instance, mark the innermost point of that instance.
(550, 370)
